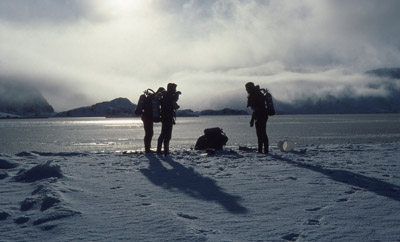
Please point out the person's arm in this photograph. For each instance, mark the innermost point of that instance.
(252, 120)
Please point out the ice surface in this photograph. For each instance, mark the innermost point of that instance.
(340, 192)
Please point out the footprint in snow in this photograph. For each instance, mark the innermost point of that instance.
(350, 192)
(291, 237)
(206, 232)
(314, 209)
(4, 215)
(186, 216)
(48, 227)
(140, 195)
(21, 220)
(313, 222)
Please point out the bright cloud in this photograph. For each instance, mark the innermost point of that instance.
(80, 52)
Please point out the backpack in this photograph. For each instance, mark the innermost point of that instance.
(142, 100)
(269, 102)
(156, 107)
(213, 138)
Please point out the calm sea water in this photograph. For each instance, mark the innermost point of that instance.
(113, 135)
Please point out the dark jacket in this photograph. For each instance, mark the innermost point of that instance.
(256, 101)
(168, 105)
(148, 108)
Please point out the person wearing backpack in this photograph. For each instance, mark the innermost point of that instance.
(145, 109)
(256, 101)
(168, 104)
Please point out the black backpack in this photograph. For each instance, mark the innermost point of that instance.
(268, 101)
(141, 105)
(213, 138)
(155, 104)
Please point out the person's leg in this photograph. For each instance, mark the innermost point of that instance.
(261, 129)
(148, 129)
(161, 137)
(260, 140)
(168, 135)
(266, 140)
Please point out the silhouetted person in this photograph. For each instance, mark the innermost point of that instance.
(168, 105)
(256, 101)
(147, 118)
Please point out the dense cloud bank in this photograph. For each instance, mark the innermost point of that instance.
(22, 99)
(378, 92)
(381, 96)
(83, 52)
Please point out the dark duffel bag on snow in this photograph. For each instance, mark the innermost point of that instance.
(213, 138)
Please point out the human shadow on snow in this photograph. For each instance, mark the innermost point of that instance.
(190, 182)
(371, 184)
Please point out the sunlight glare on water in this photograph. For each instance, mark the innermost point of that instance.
(110, 122)
(119, 134)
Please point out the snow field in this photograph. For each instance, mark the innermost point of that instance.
(315, 193)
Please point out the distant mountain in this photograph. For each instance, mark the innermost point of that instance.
(119, 107)
(122, 107)
(22, 99)
(225, 111)
(8, 115)
(393, 73)
(186, 113)
(348, 104)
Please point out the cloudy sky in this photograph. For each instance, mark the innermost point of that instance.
(81, 52)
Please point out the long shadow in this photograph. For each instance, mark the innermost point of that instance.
(371, 184)
(188, 181)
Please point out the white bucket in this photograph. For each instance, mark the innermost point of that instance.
(286, 146)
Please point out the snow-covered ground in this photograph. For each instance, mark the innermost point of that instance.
(315, 193)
